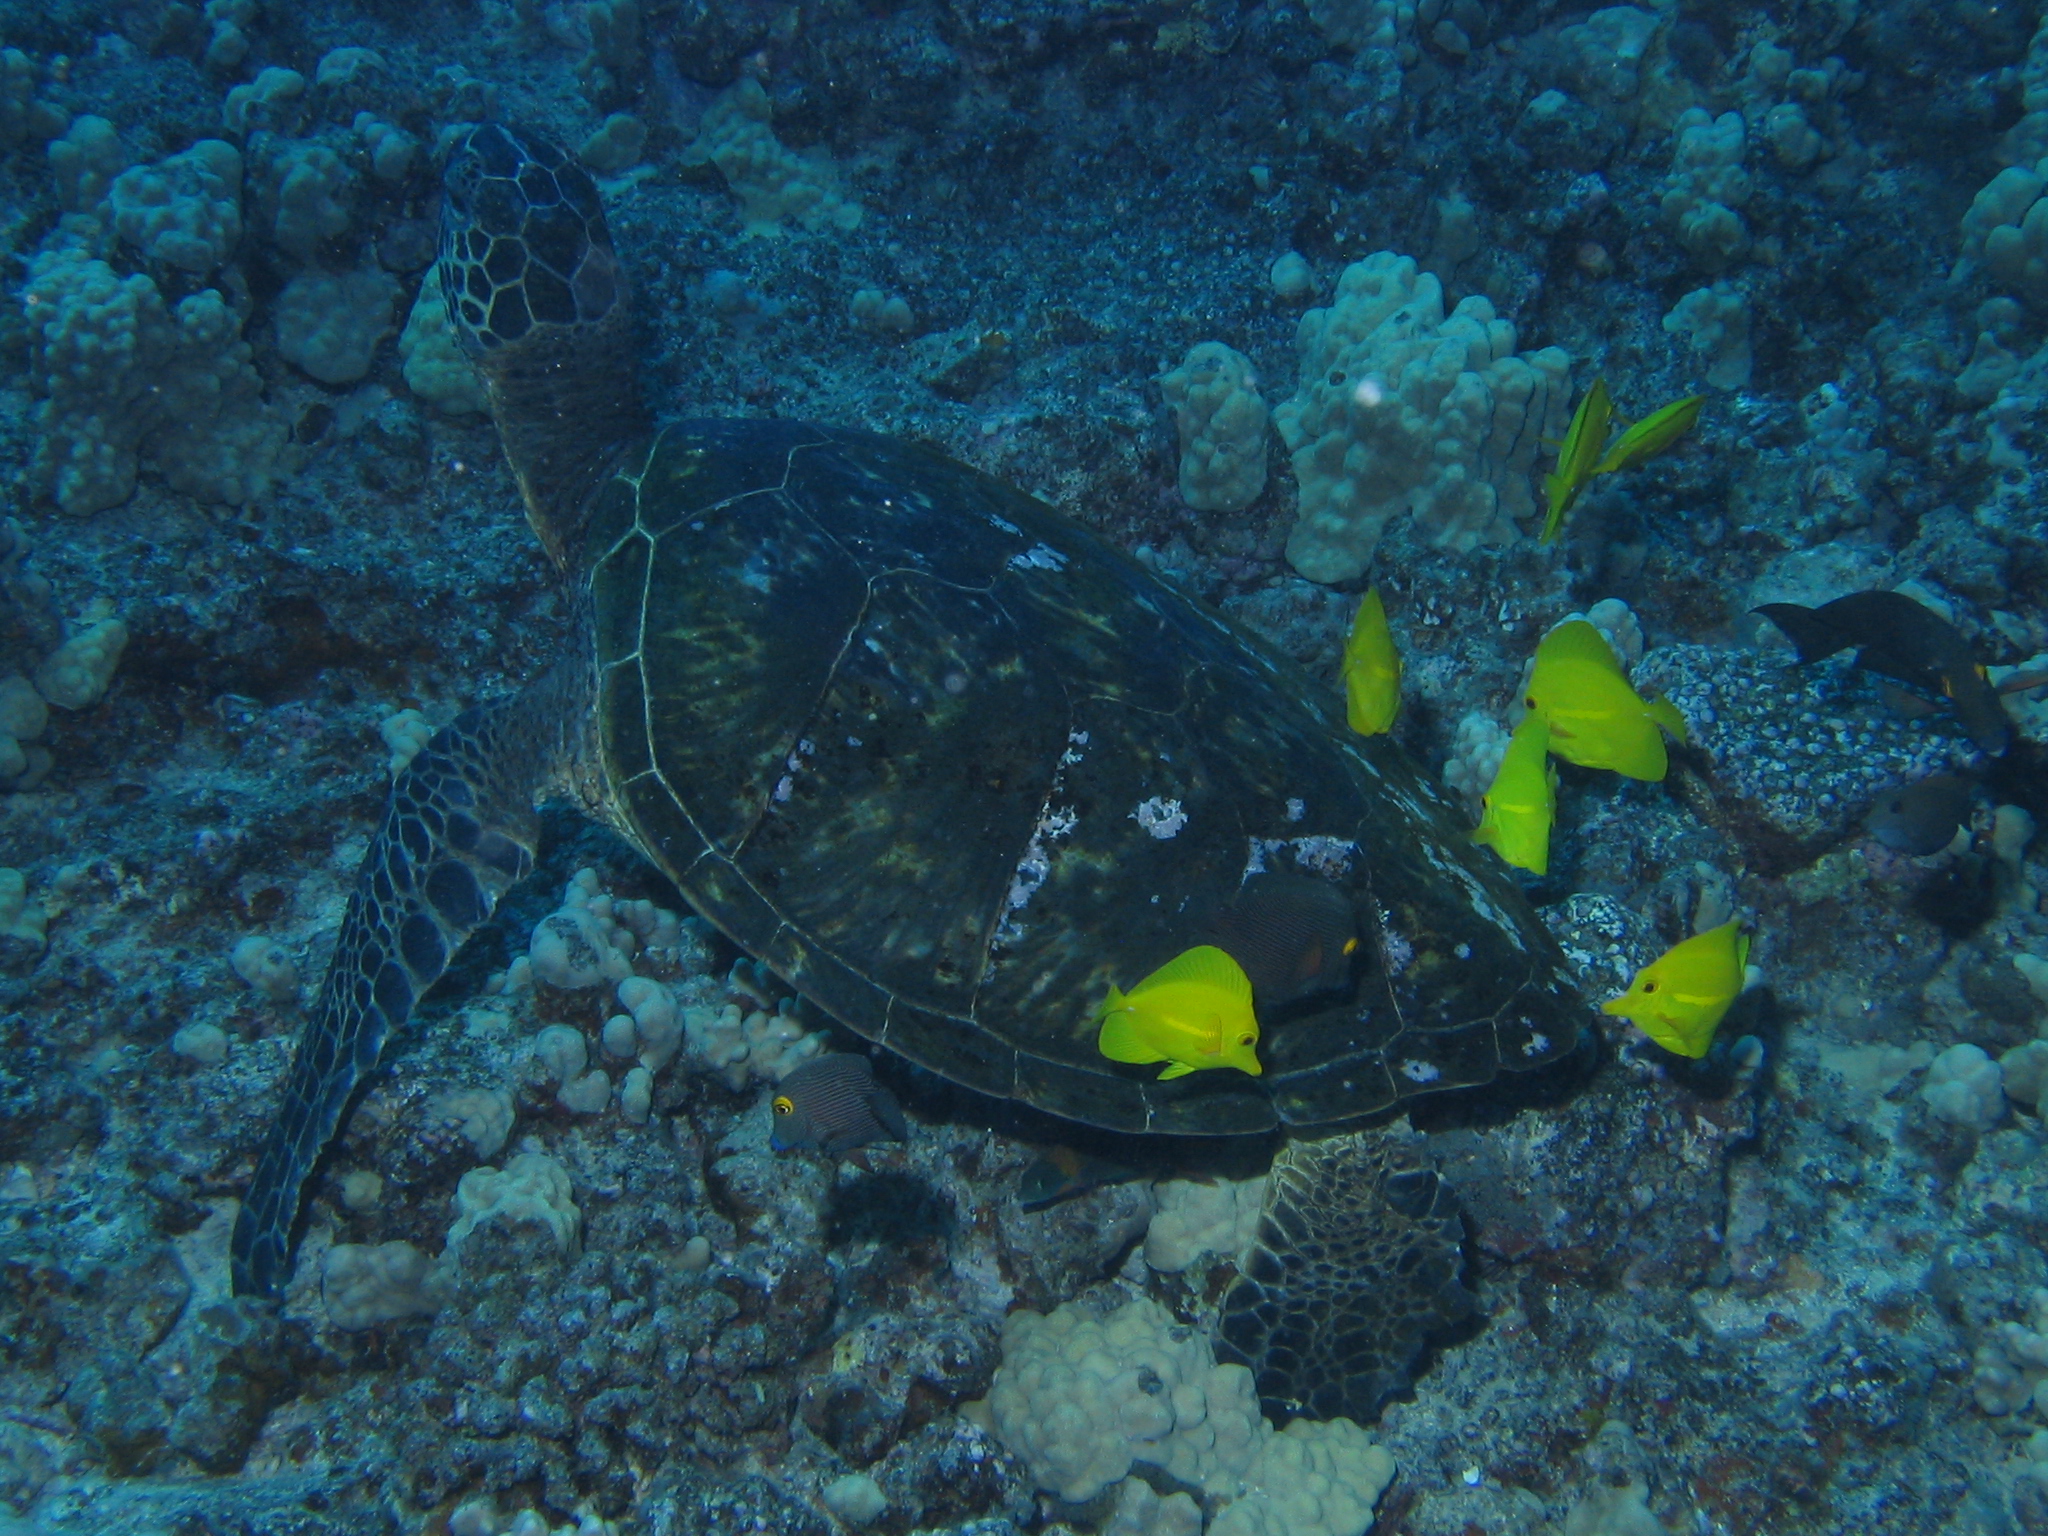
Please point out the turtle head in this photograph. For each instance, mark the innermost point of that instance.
(536, 297)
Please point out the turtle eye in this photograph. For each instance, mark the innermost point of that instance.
(783, 1105)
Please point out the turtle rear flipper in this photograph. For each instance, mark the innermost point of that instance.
(537, 298)
(459, 831)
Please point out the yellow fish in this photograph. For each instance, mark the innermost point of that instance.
(1680, 998)
(1596, 719)
(1521, 803)
(1194, 1012)
(1576, 457)
(1651, 436)
(1372, 670)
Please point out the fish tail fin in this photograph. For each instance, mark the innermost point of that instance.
(1666, 714)
(1558, 495)
(1173, 1070)
(1811, 635)
(888, 1114)
(1121, 1039)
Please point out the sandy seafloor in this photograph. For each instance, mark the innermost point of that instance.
(1743, 1297)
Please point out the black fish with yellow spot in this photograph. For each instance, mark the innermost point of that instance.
(832, 1104)
(1898, 638)
(1293, 934)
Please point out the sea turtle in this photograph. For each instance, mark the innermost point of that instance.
(945, 761)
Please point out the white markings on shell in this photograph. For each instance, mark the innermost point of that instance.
(1327, 857)
(1395, 951)
(1033, 868)
(794, 763)
(1039, 557)
(1161, 818)
(1419, 1072)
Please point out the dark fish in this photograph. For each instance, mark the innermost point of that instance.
(832, 1104)
(1922, 817)
(1061, 1173)
(1898, 638)
(1293, 934)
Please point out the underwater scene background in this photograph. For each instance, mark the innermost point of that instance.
(1287, 301)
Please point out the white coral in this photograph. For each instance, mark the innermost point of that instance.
(772, 182)
(124, 377)
(1080, 1398)
(186, 210)
(363, 1285)
(532, 1189)
(1402, 408)
(1222, 421)
(329, 323)
(1190, 1219)
(435, 368)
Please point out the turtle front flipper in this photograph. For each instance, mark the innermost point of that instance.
(459, 831)
(1356, 1271)
(537, 298)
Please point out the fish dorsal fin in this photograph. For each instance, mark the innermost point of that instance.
(1574, 692)
(1577, 641)
(1203, 966)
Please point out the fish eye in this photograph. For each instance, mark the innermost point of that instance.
(1649, 986)
(784, 1106)
(1246, 1039)
(1530, 702)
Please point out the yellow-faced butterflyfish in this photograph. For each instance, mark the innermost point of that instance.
(1577, 457)
(1521, 803)
(1596, 719)
(1372, 670)
(1193, 1013)
(1680, 998)
(1651, 436)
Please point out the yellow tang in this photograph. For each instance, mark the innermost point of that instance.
(1576, 457)
(1680, 998)
(1652, 435)
(1372, 670)
(1194, 1012)
(1522, 801)
(1596, 719)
